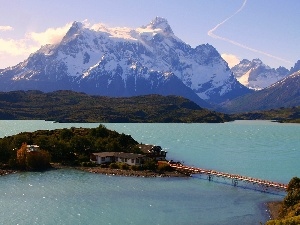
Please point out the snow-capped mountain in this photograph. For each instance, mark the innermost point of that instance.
(256, 75)
(125, 62)
(284, 93)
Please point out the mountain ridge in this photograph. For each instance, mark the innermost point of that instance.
(284, 93)
(96, 59)
(256, 75)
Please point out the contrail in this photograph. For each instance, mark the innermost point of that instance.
(211, 34)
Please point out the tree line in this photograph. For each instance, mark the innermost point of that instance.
(69, 106)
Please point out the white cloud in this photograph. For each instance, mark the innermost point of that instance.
(232, 60)
(50, 36)
(15, 47)
(6, 28)
(19, 49)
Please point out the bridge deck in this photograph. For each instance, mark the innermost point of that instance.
(234, 177)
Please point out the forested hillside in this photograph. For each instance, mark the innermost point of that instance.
(68, 106)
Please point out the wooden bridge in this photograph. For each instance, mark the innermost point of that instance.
(234, 177)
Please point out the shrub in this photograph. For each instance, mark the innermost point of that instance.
(150, 165)
(135, 168)
(114, 166)
(88, 164)
(125, 166)
(164, 167)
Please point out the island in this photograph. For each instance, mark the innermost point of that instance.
(100, 150)
(97, 150)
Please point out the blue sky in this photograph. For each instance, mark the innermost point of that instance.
(240, 29)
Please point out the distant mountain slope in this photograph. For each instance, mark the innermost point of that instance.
(68, 106)
(126, 62)
(256, 75)
(283, 115)
(284, 93)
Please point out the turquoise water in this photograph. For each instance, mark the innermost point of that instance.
(252, 148)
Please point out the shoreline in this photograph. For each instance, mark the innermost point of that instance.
(130, 173)
(4, 172)
(107, 171)
(274, 209)
(121, 172)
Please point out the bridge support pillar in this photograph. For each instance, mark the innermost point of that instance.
(235, 182)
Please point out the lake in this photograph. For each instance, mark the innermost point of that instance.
(260, 149)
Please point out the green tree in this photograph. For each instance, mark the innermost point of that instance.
(290, 211)
(80, 144)
(32, 160)
(150, 165)
(66, 134)
(38, 160)
(114, 166)
(5, 151)
(293, 193)
(19, 139)
(100, 132)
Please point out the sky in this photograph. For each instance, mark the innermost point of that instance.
(238, 29)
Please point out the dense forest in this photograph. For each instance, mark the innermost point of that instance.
(69, 106)
(67, 146)
(290, 208)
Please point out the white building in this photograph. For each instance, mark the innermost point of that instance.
(110, 157)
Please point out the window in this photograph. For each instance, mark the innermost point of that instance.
(137, 160)
(132, 160)
(102, 159)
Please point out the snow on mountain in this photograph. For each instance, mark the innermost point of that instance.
(256, 75)
(92, 58)
(283, 93)
(288, 82)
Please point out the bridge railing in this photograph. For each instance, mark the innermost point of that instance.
(235, 177)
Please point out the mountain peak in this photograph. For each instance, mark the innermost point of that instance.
(296, 67)
(257, 61)
(161, 23)
(245, 61)
(74, 29)
(77, 25)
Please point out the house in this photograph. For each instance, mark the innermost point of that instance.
(153, 152)
(130, 158)
(103, 157)
(111, 157)
(32, 148)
